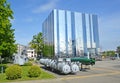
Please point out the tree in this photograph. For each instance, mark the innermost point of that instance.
(48, 50)
(37, 43)
(7, 42)
(118, 50)
(108, 53)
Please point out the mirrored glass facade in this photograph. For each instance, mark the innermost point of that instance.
(69, 33)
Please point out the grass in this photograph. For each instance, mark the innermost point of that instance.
(43, 75)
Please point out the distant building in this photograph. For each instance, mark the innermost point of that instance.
(25, 50)
(69, 33)
(31, 53)
(22, 49)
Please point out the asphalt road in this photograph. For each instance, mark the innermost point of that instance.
(101, 72)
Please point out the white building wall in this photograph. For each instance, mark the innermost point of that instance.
(31, 53)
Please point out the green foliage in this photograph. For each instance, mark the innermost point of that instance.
(48, 50)
(28, 64)
(37, 43)
(25, 69)
(4, 67)
(118, 50)
(7, 46)
(31, 59)
(34, 71)
(108, 53)
(13, 72)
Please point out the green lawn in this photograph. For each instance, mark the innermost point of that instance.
(43, 75)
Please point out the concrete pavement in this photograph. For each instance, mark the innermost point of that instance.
(102, 72)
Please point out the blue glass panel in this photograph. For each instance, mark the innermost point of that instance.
(84, 33)
(73, 34)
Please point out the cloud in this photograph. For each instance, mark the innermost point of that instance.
(45, 7)
(109, 27)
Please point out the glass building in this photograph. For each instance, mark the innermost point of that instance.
(67, 33)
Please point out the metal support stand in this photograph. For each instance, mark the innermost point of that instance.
(81, 68)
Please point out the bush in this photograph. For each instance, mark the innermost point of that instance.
(31, 59)
(28, 64)
(13, 72)
(34, 71)
(4, 67)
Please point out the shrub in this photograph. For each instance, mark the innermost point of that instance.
(31, 59)
(28, 64)
(4, 67)
(13, 72)
(34, 71)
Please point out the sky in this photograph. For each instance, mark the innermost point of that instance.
(30, 14)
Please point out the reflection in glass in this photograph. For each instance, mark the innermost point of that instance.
(69, 33)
